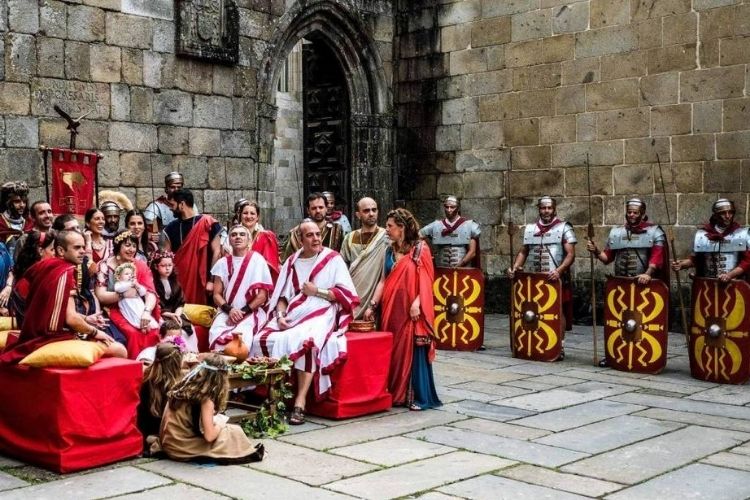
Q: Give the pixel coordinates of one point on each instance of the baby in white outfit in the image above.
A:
(131, 307)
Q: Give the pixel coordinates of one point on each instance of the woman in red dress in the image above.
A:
(125, 248)
(96, 245)
(405, 294)
(261, 240)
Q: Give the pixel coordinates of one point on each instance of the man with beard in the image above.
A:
(312, 305)
(549, 247)
(330, 232)
(455, 239)
(159, 209)
(334, 215)
(195, 241)
(721, 248)
(364, 252)
(14, 219)
(51, 314)
(42, 219)
(111, 211)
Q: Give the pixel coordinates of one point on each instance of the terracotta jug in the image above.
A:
(237, 348)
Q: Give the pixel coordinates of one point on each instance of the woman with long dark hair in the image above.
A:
(36, 246)
(135, 222)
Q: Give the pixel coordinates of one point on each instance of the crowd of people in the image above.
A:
(126, 285)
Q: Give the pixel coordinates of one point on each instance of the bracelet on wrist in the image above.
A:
(246, 309)
(225, 307)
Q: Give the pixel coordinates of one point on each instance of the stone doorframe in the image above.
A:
(371, 123)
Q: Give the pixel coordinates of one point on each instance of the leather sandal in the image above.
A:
(297, 416)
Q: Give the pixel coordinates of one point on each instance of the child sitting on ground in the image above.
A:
(131, 307)
(158, 380)
(169, 331)
(192, 428)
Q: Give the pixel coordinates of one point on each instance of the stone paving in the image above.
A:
(508, 429)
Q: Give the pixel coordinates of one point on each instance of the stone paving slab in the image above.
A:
(102, 484)
(614, 377)
(575, 416)
(500, 429)
(693, 481)
(496, 391)
(181, 491)
(732, 424)
(419, 476)
(237, 481)
(450, 394)
(725, 394)
(556, 380)
(322, 422)
(464, 373)
(9, 462)
(560, 481)
(536, 368)
(566, 396)
(377, 428)
(530, 384)
(687, 405)
(731, 460)
(637, 462)
(436, 495)
(392, 451)
(306, 465)
(485, 410)
(514, 449)
(609, 434)
(501, 488)
(8, 482)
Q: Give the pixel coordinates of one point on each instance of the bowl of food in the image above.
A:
(360, 325)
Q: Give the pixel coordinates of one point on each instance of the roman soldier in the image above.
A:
(549, 250)
(637, 297)
(455, 238)
(333, 215)
(719, 340)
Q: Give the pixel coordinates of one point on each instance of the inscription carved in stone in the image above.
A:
(75, 98)
(208, 30)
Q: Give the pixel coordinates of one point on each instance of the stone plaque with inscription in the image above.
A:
(208, 30)
(75, 98)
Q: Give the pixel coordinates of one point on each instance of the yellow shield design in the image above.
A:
(459, 308)
(536, 317)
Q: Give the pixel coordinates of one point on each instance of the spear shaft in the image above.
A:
(591, 267)
(511, 230)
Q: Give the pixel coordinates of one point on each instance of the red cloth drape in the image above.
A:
(410, 277)
(191, 261)
(51, 282)
(267, 245)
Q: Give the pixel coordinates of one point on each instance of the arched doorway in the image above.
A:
(345, 119)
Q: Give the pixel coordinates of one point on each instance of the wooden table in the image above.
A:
(269, 377)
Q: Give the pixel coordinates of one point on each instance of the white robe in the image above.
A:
(315, 341)
(240, 288)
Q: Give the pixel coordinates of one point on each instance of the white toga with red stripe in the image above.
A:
(315, 341)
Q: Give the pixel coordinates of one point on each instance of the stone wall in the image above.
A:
(149, 109)
(541, 84)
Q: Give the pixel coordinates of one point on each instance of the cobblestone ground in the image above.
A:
(508, 429)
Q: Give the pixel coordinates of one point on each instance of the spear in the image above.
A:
(511, 230)
(670, 236)
(591, 267)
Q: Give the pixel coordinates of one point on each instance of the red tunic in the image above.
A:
(266, 244)
(191, 261)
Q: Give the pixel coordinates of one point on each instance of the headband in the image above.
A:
(173, 176)
(123, 236)
(722, 204)
(200, 366)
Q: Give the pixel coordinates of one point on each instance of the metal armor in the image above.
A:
(547, 252)
(450, 249)
(714, 258)
(632, 251)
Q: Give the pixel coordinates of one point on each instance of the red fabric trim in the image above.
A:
(238, 281)
(267, 245)
(545, 228)
(449, 228)
(714, 235)
(191, 261)
(137, 339)
(745, 261)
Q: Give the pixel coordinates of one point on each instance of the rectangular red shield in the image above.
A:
(73, 181)
(459, 308)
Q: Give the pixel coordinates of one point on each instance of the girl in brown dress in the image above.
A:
(191, 427)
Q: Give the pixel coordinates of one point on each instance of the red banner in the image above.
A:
(73, 181)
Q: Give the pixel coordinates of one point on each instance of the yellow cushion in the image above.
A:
(7, 323)
(199, 315)
(4, 337)
(65, 354)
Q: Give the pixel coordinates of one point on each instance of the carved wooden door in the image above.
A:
(326, 123)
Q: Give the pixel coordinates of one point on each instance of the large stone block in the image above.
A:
(132, 66)
(733, 145)
(659, 89)
(21, 132)
(599, 153)
(459, 13)
(133, 137)
(531, 157)
(239, 144)
(737, 114)
(617, 66)
(671, 120)
(158, 69)
(647, 150)
(712, 83)
(193, 76)
(586, 127)
(14, 98)
(120, 96)
(569, 18)
(468, 61)
(722, 176)
(244, 111)
(455, 37)
(712, 4)
(616, 94)
(688, 177)
(108, 168)
(612, 40)
(451, 184)
(75, 97)
(205, 142)
(581, 71)
(680, 29)
(707, 116)
(482, 160)
(734, 51)
(173, 140)
(173, 107)
(532, 24)
(537, 77)
(646, 9)
(212, 111)
(541, 51)
(23, 165)
(577, 181)
(20, 57)
(448, 138)
(86, 24)
(484, 135)
(135, 169)
(164, 36)
(570, 100)
(195, 170)
(694, 209)
(142, 104)
(451, 87)
(609, 13)
(240, 173)
(128, 31)
(484, 210)
(495, 57)
(538, 182)
(523, 132)
(159, 9)
(498, 107)
(77, 60)
(536, 102)
(223, 81)
(23, 16)
(105, 63)
(53, 18)
(491, 82)
(620, 124)
(490, 31)
(456, 111)
(672, 58)
(51, 57)
(693, 147)
(557, 129)
(633, 179)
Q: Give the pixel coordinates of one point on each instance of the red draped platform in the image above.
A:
(359, 386)
(70, 419)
